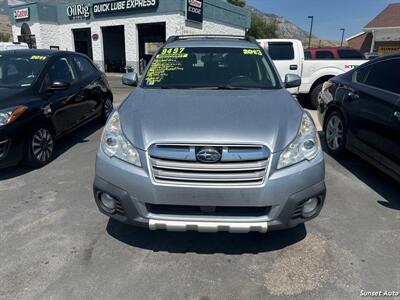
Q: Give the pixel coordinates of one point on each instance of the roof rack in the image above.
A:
(175, 38)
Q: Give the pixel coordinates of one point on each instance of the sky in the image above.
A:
(329, 15)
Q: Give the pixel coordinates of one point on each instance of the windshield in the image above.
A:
(211, 68)
(20, 70)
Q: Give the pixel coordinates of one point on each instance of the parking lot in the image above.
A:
(56, 245)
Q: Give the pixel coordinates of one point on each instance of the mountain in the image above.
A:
(288, 30)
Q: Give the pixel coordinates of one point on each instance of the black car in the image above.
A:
(45, 94)
(360, 111)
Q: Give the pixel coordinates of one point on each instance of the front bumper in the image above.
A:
(284, 192)
(12, 141)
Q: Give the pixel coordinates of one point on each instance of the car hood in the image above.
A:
(236, 117)
(11, 97)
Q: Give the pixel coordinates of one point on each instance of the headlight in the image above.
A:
(306, 146)
(11, 114)
(114, 143)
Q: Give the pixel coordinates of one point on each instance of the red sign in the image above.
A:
(95, 37)
(20, 14)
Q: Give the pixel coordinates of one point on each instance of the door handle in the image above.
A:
(293, 67)
(397, 114)
(353, 95)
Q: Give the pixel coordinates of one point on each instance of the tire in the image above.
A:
(40, 146)
(107, 109)
(314, 96)
(335, 134)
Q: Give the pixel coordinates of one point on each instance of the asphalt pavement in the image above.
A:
(54, 244)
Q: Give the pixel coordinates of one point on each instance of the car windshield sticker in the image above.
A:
(252, 52)
(39, 57)
(169, 60)
(173, 52)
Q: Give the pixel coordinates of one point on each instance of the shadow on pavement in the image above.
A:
(63, 145)
(381, 183)
(205, 243)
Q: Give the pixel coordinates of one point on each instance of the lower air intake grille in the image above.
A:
(218, 211)
(3, 148)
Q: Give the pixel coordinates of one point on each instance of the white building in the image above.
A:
(120, 33)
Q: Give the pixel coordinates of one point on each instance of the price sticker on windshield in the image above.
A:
(39, 57)
(252, 52)
(173, 53)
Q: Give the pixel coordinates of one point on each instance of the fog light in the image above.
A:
(108, 203)
(310, 207)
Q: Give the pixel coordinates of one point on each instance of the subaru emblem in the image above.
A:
(208, 156)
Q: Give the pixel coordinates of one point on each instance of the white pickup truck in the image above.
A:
(288, 56)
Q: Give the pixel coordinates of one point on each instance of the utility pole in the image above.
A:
(343, 30)
(311, 29)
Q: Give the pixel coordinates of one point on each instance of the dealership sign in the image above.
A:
(389, 49)
(194, 10)
(78, 11)
(83, 11)
(122, 6)
(21, 14)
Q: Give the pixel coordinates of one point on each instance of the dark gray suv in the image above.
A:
(210, 140)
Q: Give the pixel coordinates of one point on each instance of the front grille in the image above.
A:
(3, 148)
(216, 211)
(238, 166)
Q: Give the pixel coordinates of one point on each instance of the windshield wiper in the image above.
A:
(230, 87)
(219, 87)
(211, 87)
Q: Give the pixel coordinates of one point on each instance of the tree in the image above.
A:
(261, 29)
(241, 3)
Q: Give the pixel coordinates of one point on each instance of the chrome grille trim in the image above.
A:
(175, 165)
(184, 171)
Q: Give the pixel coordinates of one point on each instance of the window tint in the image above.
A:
(20, 70)
(307, 55)
(61, 70)
(350, 54)
(384, 75)
(281, 51)
(84, 66)
(325, 55)
(362, 74)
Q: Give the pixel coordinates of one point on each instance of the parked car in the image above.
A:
(332, 53)
(210, 140)
(12, 46)
(288, 57)
(360, 111)
(44, 95)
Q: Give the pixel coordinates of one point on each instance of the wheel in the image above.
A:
(108, 108)
(335, 133)
(40, 147)
(314, 96)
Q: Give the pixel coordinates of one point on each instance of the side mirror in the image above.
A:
(130, 79)
(292, 81)
(58, 86)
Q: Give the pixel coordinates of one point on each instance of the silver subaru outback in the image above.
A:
(210, 140)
